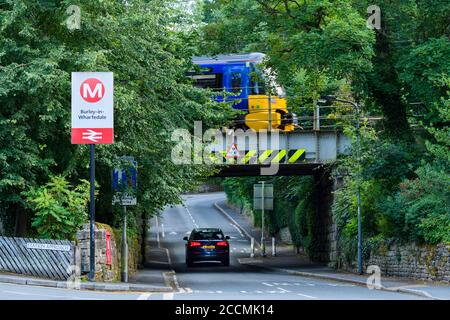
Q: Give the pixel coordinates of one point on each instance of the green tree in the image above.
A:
(59, 209)
(137, 41)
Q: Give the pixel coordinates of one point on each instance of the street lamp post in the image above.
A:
(330, 99)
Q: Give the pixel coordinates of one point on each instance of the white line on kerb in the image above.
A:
(144, 296)
(168, 296)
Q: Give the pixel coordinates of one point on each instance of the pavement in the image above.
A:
(287, 276)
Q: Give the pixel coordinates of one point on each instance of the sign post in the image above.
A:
(263, 200)
(124, 189)
(92, 123)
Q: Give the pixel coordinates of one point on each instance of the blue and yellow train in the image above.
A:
(241, 77)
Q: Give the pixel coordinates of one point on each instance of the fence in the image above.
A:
(53, 259)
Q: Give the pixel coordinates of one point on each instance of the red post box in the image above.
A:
(108, 248)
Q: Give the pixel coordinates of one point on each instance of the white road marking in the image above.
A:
(168, 296)
(267, 284)
(144, 296)
(168, 256)
(283, 290)
(306, 296)
(162, 230)
(192, 218)
(239, 230)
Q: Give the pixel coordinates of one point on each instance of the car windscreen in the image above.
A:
(207, 235)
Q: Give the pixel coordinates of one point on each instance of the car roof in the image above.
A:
(207, 230)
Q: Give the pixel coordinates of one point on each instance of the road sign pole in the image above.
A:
(92, 214)
(252, 247)
(124, 274)
(274, 250)
(263, 245)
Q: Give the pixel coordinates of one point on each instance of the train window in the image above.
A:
(257, 82)
(258, 88)
(236, 82)
(213, 81)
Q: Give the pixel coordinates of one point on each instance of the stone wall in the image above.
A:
(421, 262)
(103, 271)
(424, 262)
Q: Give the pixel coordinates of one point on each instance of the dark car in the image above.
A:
(207, 244)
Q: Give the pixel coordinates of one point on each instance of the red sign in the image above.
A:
(92, 135)
(92, 90)
(233, 151)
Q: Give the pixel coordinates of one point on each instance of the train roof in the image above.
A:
(230, 58)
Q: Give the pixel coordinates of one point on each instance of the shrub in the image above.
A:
(59, 208)
(420, 210)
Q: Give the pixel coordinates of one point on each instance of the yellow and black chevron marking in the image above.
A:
(264, 157)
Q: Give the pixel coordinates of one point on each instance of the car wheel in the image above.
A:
(226, 262)
(189, 262)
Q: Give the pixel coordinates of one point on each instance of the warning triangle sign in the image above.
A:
(233, 151)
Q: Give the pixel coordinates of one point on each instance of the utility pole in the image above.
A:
(358, 184)
(124, 273)
(270, 112)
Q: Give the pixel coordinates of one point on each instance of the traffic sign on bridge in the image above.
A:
(92, 108)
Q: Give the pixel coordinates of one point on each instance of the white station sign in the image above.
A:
(92, 108)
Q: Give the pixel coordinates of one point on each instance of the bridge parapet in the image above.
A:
(312, 146)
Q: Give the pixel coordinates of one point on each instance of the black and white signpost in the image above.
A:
(124, 185)
(92, 123)
(263, 200)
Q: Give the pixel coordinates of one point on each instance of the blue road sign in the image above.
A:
(123, 180)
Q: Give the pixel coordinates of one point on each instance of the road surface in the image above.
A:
(241, 282)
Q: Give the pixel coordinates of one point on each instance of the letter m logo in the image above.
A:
(92, 90)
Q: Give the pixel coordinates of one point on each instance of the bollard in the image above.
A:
(274, 252)
(252, 247)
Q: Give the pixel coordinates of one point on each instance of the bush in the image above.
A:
(420, 211)
(59, 209)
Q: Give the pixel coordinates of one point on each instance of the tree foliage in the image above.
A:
(400, 72)
(137, 41)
